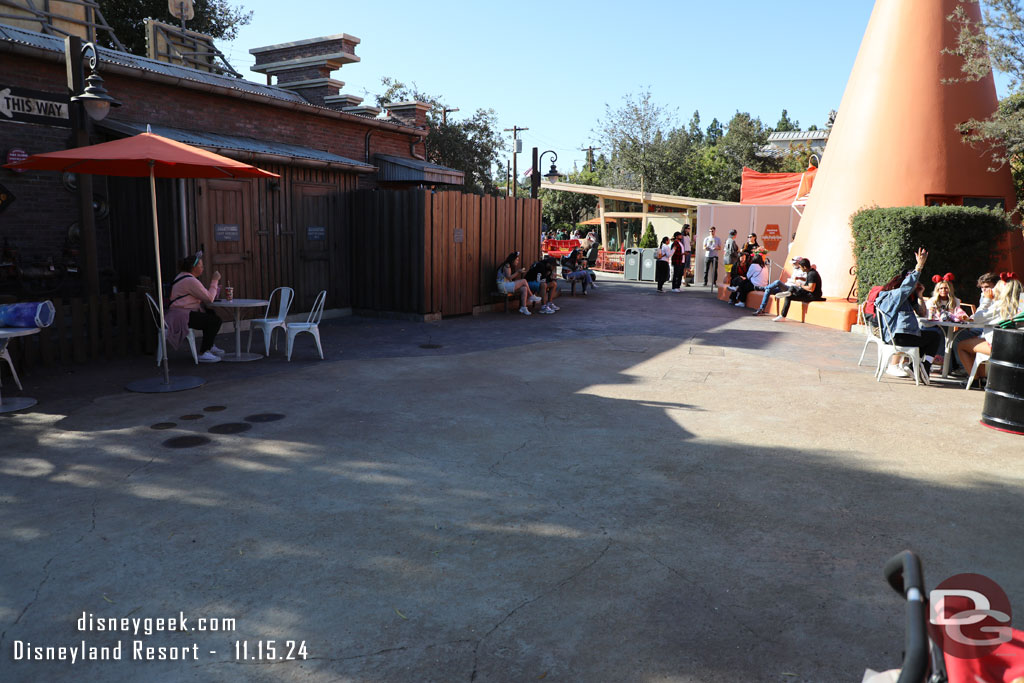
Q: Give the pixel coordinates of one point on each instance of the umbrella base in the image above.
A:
(9, 405)
(156, 385)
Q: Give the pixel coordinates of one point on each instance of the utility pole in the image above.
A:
(508, 178)
(444, 115)
(590, 156)
(515, 136)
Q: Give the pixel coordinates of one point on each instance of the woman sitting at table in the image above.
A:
(943, 304)
(899, 305)
(185, 309)
(1006, 304)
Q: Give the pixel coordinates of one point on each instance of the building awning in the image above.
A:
(244, 148)
(399, 170)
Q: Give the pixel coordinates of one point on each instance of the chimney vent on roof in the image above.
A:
(305, 66)
(411, 112)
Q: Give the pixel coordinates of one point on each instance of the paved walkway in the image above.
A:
(641, 487)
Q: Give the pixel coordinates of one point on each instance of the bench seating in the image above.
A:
(839, 314)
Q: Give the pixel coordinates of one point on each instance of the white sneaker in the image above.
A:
(208, 357)
(779, 319)
(740, 304)
(731, 288)
(534, 298)
(545, 310)
(216, 350)
(677, 290)
(522, 309)
(554, 307)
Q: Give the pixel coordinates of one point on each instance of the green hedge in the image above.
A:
(960, 240)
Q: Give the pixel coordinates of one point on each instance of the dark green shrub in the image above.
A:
(649, 240)
(960, 240)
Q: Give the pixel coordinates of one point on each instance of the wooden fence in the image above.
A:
(423, 252)
(85, 330)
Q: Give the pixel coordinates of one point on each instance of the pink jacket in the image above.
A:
(187, 295)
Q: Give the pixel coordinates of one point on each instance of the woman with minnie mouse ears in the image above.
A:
(1005, 305)
(943, 304)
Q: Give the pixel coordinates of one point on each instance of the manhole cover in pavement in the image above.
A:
(192, 416)
(190, 441)
(164, 425)
(265, 417)
(430, 346)
(230, 428)
(214, 409)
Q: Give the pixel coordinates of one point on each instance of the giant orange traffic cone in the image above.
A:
(895, 141)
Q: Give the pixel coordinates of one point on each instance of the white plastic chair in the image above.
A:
(887, 351)
(267, 324)
(5, 355)
(311, 325)
(979, 360)
(161, 339)
(871, 335)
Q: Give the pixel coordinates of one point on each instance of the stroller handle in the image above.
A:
(903, 572)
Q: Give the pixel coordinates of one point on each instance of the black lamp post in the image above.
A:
(552, 174)
(90, 101)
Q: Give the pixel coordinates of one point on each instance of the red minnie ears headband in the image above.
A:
(1006, 277)
(948, 277)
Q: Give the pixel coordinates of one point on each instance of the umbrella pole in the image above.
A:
(159, 276)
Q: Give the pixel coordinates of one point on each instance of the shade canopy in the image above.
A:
(597, 221)
(776, 188)
(135, 156)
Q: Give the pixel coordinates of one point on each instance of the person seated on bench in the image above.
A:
(898, 306)
(755, 279)
(510, 281)
(809, 291)
(543, 280)
(797, 279)
(575, 268)
(592, 249)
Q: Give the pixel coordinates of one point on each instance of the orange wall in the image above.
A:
(895, 138)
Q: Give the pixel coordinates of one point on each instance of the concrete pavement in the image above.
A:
(641, 487)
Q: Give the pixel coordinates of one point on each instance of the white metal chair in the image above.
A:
(267, 324)
(161, 339)
(871, 334)
(5, 355)
(311, 325)
(979, 360)
(887, 351)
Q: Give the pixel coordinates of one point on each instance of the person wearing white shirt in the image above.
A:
(662, 264)
(711, 247)
(756, 279)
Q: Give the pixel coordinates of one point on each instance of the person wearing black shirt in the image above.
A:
(809, 291)
(543, 280)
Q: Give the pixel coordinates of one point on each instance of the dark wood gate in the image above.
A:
(316, 223)
(228, 234)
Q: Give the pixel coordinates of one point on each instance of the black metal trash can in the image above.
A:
(1004, 393)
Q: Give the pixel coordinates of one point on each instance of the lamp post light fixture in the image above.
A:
(552, 175)
(90, 101)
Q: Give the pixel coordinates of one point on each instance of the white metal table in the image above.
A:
(236, 306)
(951, 330)
(21, 402)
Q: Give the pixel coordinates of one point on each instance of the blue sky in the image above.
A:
(553, 66)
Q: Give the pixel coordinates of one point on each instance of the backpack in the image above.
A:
(869, 303)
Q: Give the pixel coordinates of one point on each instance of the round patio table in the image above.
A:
(236, 306)
(951, 330)
(20, 402)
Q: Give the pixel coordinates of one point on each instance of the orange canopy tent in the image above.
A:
(597, 221)
(154, 156)
(776, 188)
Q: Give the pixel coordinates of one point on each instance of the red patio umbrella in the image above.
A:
(139, 156)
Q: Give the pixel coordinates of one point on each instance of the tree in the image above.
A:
(786, 124)
(471, 145)
(635, 134)
(649, 240)
(216, 18)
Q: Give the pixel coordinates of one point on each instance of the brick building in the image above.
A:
(258, 233)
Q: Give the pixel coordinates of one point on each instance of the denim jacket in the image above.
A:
(895, 307)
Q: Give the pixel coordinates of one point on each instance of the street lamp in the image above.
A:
(552, 175)
(90, 101)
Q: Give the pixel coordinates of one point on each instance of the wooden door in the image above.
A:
(316, 226)
(227, 234)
